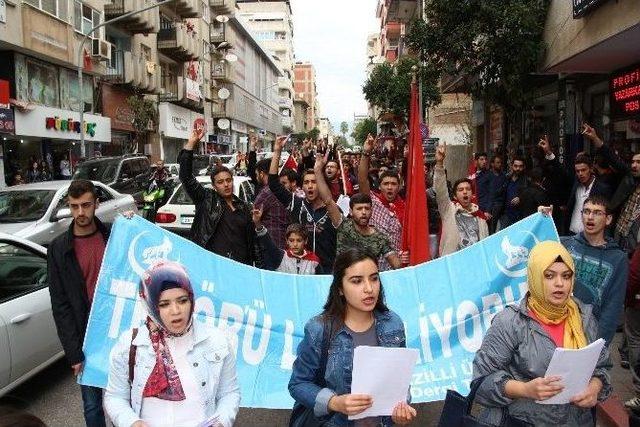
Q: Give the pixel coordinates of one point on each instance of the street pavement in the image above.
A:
(54, 396)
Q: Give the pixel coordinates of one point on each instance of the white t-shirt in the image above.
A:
(65, 168)
(185, 413)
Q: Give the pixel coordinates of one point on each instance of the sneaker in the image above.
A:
(633, 404)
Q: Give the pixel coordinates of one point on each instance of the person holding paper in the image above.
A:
(172, 371)
(355, 314)
(515, 353)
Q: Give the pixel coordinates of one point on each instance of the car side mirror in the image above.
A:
(62, 213)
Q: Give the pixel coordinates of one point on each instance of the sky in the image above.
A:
(332, 35)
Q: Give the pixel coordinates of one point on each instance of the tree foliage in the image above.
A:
(313, 134)
(364, 128)
(144, 115)
(389, 85)
(344, 128)
(494, 44)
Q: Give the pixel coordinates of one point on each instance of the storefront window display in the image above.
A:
(37, 81)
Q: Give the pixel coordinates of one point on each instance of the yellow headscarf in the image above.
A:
(540, 258)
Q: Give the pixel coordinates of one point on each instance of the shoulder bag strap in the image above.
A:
(327, 330)
(132, 354)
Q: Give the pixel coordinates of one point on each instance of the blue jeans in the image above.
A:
(92, 404)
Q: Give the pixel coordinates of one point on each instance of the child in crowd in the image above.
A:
(296, 259)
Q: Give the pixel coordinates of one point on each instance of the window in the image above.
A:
(57, 8)
(103, 195)
(22, 272)
(126, 170)
(85, 18)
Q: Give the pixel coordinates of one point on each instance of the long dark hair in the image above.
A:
(336, 305)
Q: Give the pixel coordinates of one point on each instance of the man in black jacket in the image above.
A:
(74, 261)
(222, 223)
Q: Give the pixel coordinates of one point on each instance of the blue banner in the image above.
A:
(446, 304)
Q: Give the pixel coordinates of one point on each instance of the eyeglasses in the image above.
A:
(596, 213)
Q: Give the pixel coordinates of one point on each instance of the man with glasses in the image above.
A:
(601, 266)
(74, 259)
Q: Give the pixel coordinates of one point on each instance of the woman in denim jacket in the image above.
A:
(183, 372)
(355, 314)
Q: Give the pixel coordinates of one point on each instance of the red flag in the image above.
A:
(290, 163)
(415, 229)
(472, 174)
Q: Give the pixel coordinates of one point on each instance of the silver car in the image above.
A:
(39, 211)
(28, 338)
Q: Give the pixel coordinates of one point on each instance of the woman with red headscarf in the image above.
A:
(172, 371)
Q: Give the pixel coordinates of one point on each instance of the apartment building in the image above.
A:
(326, 129)
(306, 89)
(271, 23)
(244, 75)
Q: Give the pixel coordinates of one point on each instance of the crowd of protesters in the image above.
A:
(312, 214)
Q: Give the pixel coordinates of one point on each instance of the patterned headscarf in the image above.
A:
(164, 382)
(540, 258)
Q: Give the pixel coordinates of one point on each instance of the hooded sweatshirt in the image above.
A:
(601, 280)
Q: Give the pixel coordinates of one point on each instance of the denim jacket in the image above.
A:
(214, 367)
(390, 332)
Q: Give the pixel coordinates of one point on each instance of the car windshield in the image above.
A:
(103, 171)
(24, 206)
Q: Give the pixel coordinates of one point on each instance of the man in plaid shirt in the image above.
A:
(275, 216)
(387, 206)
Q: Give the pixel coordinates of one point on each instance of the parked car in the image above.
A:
(177, 215)
(39, 212)
(229, 161)
(28, 338)
(128, 174)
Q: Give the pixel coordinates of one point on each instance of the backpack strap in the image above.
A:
(132, 355)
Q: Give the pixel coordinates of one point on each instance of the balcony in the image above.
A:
(223, 7)
(144, 22)
(403, 11)
(178, 41)
(217, 33)
(222, 71)
(287, 122)
(181, 91)
(186, 8)
(128, 69)
(284, 102)
(392, 30)
(218, 110)
(391, 53)
(285, 83)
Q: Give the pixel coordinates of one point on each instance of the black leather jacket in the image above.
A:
(209, 208)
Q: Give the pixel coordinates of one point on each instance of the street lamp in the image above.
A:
(81, 51)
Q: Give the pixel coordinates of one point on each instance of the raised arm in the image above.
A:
(194, 189)
(363, 167)
(325, 193)
(440, 181)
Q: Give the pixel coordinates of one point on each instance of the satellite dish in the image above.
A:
(224, 93)
(230, 57)
(222, 18)
(224, 124)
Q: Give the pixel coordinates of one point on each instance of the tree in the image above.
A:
(493, 44)
(313, 134)
(364, 128)
(344, 128)
(144, 115)
(389, 86)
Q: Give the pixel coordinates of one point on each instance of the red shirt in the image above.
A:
(89, 253)
(556, 332)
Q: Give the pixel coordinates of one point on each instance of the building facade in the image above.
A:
(306, 89)
(271, 23)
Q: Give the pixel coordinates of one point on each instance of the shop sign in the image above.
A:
(624, 90)
(582, 7)
(175, 121)
(114, 105)
(55, 123)
(239, 126)
(193, 90)
(7, 122)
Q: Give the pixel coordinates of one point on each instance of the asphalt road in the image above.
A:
(54, 396)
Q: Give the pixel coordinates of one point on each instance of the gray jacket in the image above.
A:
(517, 347)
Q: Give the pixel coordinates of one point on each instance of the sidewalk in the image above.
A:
(612, 414)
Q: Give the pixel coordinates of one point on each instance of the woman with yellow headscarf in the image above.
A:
(515, 353)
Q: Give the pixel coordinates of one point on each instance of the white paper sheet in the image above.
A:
(575, 367)
(209, 422)
(384, 373)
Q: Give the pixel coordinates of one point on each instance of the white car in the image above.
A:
(28, 337)
(229, 161)
(177, 215)
(39, 211)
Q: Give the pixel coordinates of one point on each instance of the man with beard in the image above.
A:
(483, 183)
(275, 216)
(355, 232)
(515, 183)
(309, 210)
(463, 223)
(387, 207)
(498, 181)
(73, 263)
(335, 179)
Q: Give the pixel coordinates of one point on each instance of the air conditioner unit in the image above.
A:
(101, 49)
